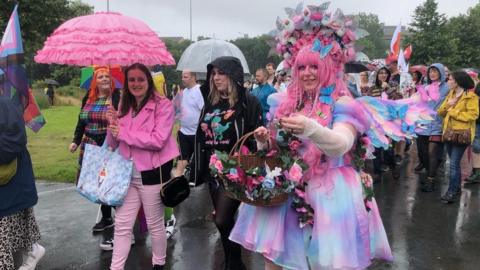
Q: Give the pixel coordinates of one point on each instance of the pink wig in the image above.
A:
(330, 71)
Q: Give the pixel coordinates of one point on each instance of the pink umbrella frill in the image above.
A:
(104, 38)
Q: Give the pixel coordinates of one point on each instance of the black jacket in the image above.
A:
(248, 116)
(80, 128)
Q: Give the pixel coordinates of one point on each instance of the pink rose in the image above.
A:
(300, 193)
(213, 159)
(365, 140)
(258, 180)
(368, 204)
(295, 173)
(301, 210)
(241, 175)
(294, 145)
(244, 150)
(219, 165)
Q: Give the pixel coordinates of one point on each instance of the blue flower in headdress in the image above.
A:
(323, 50)
(325, 94)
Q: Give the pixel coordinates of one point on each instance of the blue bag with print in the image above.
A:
(105, 175)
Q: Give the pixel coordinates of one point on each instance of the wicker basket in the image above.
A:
(247, 162)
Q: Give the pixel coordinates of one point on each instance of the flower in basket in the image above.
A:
(295, 173)
(269, 180)
(233, 175)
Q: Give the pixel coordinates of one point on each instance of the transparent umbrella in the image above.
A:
(199, 54)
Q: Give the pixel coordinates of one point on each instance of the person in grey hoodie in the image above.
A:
(429, 141)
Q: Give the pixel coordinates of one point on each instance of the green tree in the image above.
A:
(428, 35)
(257, 51)
(38, 19)
(176, 48)
(372, 45)
(464, 38)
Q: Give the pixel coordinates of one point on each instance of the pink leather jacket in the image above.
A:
(147, 138)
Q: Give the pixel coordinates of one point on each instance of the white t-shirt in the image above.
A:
(190, 109)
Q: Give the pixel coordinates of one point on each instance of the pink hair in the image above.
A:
(330, 71)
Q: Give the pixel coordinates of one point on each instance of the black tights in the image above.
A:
(106, 211)
(422, 150)
(225, 210)
(435, 157)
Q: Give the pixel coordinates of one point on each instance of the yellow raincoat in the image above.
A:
(461, 116)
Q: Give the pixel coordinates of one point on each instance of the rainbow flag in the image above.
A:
(13, 77)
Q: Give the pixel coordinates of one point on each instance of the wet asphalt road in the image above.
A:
(423, 232)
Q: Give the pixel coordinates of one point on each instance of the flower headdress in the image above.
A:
(305, 25)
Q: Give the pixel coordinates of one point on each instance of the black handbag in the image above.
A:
(175, 191)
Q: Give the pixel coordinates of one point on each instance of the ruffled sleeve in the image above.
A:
(378, 118)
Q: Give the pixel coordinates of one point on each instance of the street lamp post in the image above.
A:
(191, 38)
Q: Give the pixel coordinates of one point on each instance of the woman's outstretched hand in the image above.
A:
(293, 124)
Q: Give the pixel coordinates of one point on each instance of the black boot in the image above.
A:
(157, 267)
(428, 185)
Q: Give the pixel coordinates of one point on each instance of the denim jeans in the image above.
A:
(455, 153)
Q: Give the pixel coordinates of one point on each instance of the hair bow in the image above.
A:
(325, 94)
(323, 50)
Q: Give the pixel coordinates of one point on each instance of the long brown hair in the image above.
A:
(128, 100)
(214, 95)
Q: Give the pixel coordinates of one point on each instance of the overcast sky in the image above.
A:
(229, 19)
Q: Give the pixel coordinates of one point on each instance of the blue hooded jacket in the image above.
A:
(435, 127)
(20, 192)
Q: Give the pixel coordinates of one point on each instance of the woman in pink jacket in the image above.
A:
(143, 133)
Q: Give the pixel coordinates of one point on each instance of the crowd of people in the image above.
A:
(139, 121)
(314, 101)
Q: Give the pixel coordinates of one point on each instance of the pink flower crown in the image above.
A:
(305, 25)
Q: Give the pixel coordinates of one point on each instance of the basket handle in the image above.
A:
(239, 144)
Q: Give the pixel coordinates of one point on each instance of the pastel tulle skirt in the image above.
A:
(345, 235)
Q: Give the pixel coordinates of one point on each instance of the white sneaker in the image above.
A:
(170, 226)
(107, 245)
(31, 259)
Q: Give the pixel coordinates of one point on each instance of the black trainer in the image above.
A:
(104, 223)
(451, 197)
(428, 185)
(157, 267)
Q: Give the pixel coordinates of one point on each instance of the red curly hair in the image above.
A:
(93, 92)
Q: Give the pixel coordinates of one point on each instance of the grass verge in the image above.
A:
(48, 148)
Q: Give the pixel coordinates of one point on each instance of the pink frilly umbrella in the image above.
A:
(104, 38)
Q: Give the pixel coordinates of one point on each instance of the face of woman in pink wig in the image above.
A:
(308, 77)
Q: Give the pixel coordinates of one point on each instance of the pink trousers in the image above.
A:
(137, 195)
